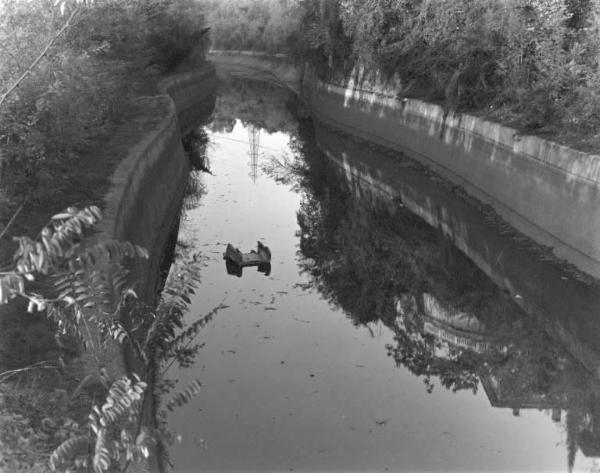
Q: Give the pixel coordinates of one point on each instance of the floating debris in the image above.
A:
(235, 260)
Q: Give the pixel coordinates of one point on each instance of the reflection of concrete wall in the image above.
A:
(566, 307)
(455, 327)
(548, 191)
(500, 396)
(450, 316)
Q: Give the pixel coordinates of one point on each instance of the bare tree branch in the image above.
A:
(40, 57)
(10, 222)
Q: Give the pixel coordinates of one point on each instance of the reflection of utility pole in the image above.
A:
(254, 140)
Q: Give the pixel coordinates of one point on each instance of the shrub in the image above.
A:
(68, 102)
(535, 59)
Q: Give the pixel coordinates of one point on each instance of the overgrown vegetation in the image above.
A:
(262, 25)
(67, 71)
(530, 63)
(74, 65)
(533, 61)
(91, 300)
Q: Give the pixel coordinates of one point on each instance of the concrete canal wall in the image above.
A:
(147, 187)
(271, 68)
(548, 191)
(189, 91)
(146, 190)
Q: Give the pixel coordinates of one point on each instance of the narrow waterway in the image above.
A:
(372, 344)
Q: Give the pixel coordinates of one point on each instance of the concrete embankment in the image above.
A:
(548, 191)
(270, 68)
(146, 190)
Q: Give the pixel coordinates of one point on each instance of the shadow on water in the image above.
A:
(495, 318)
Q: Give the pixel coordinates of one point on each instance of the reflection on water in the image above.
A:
(438, 369)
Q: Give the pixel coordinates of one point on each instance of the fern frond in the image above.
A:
(193, 330)
(70, 449)
(185, 396)
(58, 238)
(113, 329)
(121, 400)
(102, 456)
(162, 331)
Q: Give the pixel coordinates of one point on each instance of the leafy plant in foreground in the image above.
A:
(114, 437)
(79, 274)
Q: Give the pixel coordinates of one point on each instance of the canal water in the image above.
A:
(372, 344)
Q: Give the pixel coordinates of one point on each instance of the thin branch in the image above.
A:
(41, 364)
(207, 317)
(40, 57)
(12, 219)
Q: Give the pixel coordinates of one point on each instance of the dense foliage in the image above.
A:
(534, 62)
(536, 58)
(89, 296)
(66, 71)
(531, 63)
(264, 25)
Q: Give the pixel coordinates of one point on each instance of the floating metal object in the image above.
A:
(235, 260)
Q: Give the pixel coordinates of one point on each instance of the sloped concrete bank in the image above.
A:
(142, 205)
(548, 191)
(267, 67)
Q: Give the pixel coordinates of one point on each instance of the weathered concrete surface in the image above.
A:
(143, 201)
(190, 91)
(270, 68)
(547, 191)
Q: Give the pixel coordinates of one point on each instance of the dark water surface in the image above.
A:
(373, 344)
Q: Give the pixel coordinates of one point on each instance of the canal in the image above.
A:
(372, 344)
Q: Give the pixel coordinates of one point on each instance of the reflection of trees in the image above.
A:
(253, 102)
(376, 261)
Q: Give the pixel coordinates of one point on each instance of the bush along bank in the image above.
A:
(531, 64)
(57, 113)
(64, 93)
